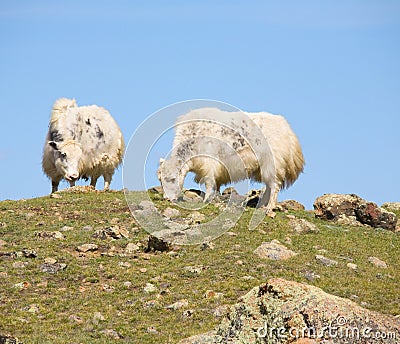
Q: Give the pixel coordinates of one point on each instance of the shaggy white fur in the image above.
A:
(222, 147)
(81, 142)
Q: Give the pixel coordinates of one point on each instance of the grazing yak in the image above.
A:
(222, 147)
(81, 142)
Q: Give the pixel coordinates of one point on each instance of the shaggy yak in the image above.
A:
(222, 147)
(81, 142)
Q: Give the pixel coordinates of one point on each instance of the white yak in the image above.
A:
(81, 142)
(222, 147)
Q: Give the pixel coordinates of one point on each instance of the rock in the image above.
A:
(221, 311)
(302, 226)
(150, 288)
(87, 248)
(20, 265)
(28, 253)
(391, 206)
(377, 262)
(111, 333)
(49, 260)
(326, 261)
(66, 228)
(152, 330)
(197, 269)
(330, 206)
(347, 209)
(207, 245)
(352, 266)
(187, 313)
(107, 288)
(33, 308)
(53, 235)
(290, 205)
(193, 195)
(52, 268)
(282, 311)
(374, 216)
(3, 225)
(195, 217)
(22, 285)
(229, 191)
(76, 319)
(178, 305)
(171, 213)
(77, 189)
(132, 248)
(3, 243)
(87, 228)
(55, 195)
(274, 250)
(211, 294)
(252, 198)
(97, 317)
(157, 244)
(125, 265)
(114, 232)
(5, 339)
(206, 338)
(310, 275)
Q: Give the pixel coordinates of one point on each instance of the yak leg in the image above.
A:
(71, 183)
(269, 197)
(54, 185)
(93, 181)
(210, 188)
(107, 181)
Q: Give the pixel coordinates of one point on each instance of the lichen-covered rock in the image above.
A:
(370, 214)
(391, 206)
(282, 311)
(289, 204)
(302, 226)
(350, 209)
(331, 206)
(274, 250)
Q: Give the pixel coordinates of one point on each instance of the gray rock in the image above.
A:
(87, 248)
(377, 262)
(52, 268)
(302, 226)
(171, 213)
(114, 232)
(274, 250)
(52, 235)
(325, 261)
(178, 305)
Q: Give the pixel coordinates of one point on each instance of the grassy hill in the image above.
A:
(54, 290)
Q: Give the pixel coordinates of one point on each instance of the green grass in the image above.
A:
(66, 302)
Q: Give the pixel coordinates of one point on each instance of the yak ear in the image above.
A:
(53, 144)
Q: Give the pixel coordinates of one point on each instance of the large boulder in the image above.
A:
(352, 209)
(282, 311)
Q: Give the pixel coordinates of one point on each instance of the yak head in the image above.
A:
(169, 177)
(67, 159)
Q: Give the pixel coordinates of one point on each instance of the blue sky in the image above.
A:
(332, 68)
